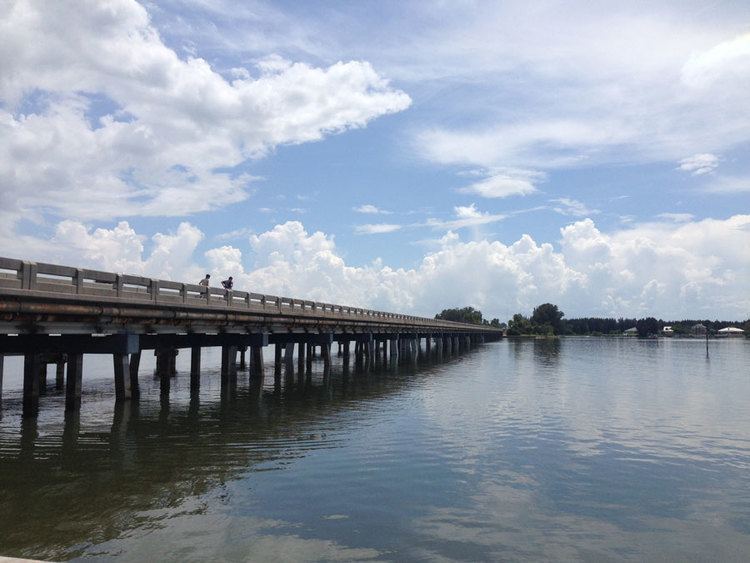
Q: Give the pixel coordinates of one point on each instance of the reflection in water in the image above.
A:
(556, 449)
(547, 351)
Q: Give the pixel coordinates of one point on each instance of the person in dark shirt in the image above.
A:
(228, 283)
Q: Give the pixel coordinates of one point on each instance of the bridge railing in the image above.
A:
(54, 280)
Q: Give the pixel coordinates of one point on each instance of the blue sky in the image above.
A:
(401, 155)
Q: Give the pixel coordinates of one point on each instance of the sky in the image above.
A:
(403, 156)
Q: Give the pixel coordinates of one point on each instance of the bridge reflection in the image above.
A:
(71, 482)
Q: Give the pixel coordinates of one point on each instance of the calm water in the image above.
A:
(593, 449)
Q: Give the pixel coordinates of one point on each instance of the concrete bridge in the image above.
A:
(55, 314)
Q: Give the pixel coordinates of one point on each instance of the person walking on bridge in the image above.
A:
(228, 284)
(204, 281)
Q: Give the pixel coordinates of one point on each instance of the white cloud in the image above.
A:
(503, 184)
(466, 216)
(729, 185)
(572, 207)
(687, 270)
(676, 217)
(700, 164)
(729, 59)
(580, 85)
(368, 208)
(99, 118)
(376, 228)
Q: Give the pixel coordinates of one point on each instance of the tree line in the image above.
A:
(548, 320)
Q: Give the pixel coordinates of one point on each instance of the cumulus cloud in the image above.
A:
(700, 164)
(691, 269)
(99, 118)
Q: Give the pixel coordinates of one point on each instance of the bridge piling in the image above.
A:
(122, 376)
(325, 351)
(60, 373)
(243, 364)
(31, 375)
(195, 367)
(277, 362)
(301, 358)
(346, 354)
(135, 364)
(2, 362)
(289, 359)
(74, 382)
(309, 358)
(256, 364)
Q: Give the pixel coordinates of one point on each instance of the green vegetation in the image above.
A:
(468, 315)
(547, 320)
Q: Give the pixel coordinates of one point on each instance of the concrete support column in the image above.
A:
(74, 382)
(2, 361)
(301, 357)
(60, 373)
(31, 375)
(289, 359)
(256, 365)
(43, 376)
(394, 351)
(439, 348)
(325, 350)
(456, 348)
(370, 354)
(277, 362)
(135, 364)
(243, 362)
(122, 376)
(195, 367)
(428, 345)
(346, 354)
(309, 359)
(415, 350)
(228, 365)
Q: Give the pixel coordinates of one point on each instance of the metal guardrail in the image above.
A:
(52, 279)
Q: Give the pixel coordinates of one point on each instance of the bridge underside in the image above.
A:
(360, 351)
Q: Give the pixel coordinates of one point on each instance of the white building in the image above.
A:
(731, 331)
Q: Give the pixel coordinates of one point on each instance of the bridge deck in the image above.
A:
(48, 298)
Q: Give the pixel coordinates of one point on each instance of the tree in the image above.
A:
(548, 314)
(519, 325)
(647, 326)
(464, 315)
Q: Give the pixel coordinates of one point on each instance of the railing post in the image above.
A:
(118, 285)
(28, 275)
(78, 280)
(154, 290)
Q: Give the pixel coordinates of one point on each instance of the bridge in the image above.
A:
(54, 314)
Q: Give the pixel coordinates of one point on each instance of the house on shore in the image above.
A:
(667, 331)
(698, 330)
(632, 331)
